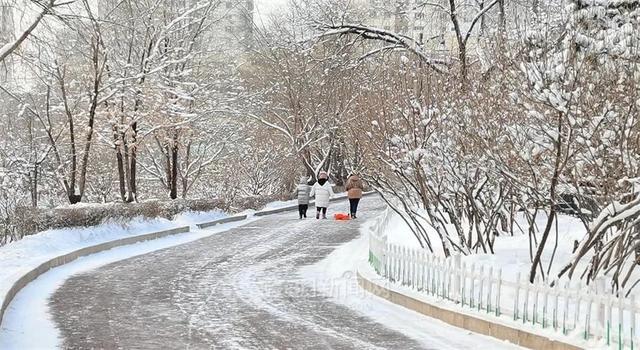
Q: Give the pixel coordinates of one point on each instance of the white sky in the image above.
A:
(266, 7)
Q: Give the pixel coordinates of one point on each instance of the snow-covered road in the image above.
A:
(252, 287)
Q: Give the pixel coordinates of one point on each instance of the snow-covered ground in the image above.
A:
(280, 204)
(20, 257)
(29, 309)
(336, 277)
(512, 257)
(511, 252)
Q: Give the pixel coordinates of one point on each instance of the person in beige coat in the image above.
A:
(354, 189)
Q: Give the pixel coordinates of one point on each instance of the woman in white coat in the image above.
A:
(322, 191)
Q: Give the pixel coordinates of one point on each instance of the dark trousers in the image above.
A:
(302, 209)
(323, 210)
(353, 202)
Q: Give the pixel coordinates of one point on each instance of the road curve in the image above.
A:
(235, 290)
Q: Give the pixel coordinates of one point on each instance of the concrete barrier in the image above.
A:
(66, 258)
(458, 319)
(222, 221)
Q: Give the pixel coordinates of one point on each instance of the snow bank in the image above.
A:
(336, 277)
(512, 257)
(20, 257)
(29, 311)
(280, 204)
(511, 252)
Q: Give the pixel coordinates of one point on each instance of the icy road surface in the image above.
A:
(242, 289)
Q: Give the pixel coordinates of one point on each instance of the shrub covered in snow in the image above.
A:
(29, 220)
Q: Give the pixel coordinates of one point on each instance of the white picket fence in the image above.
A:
(573, 309)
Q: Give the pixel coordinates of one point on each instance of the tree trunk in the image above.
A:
(552, 212)
(483, 24)
(185, 175)
(133, 161)
(97, 77)
(173, 191)
(463, 62)
(462, 45)
(121, 174)
(502, 19)
(71, 189)
(119, 142)
(34, 187)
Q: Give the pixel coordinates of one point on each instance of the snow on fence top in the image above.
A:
(569, 309)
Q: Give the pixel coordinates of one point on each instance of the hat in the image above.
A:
(323, 175)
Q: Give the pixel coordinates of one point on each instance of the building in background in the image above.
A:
(410, 17)
(7, 34)
(235, 24)
(229, 26)
(429, 21)
(230, 30)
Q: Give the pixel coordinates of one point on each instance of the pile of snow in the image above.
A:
(191, 218)
(511, 252)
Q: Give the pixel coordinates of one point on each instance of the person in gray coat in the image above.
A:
(302, 192)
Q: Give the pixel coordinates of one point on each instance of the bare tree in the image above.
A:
(46, 8)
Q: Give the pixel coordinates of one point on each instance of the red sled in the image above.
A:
(341, 216)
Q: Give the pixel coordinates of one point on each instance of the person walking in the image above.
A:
(302, 193)
(354, 192)
(323, 192)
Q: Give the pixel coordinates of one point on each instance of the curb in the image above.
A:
(276, 211)
(222, 221)
(474, 324)
(66, 258)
